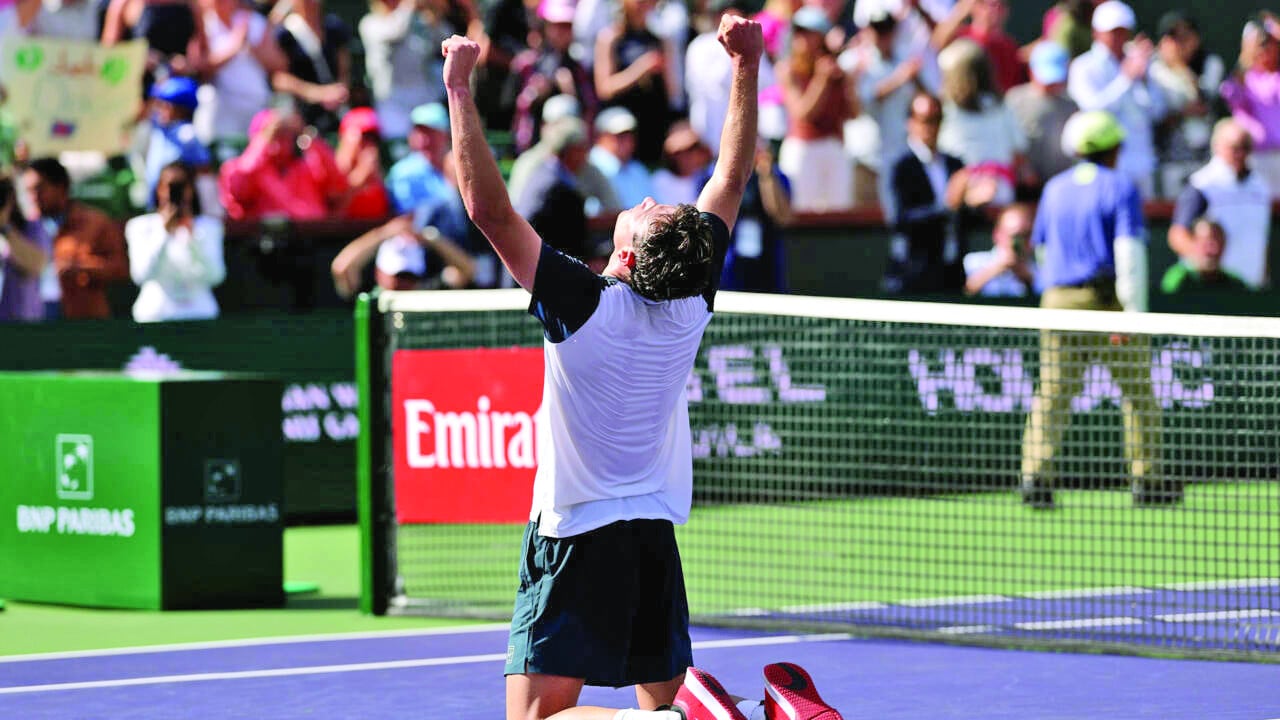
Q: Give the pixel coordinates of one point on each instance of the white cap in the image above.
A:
(1113, 14)
(615, 121)
(401, 254)
(558, 106)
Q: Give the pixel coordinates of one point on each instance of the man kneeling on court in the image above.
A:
(601, 598)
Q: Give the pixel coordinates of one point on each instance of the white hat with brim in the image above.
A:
(1112, 15)
(401, 254)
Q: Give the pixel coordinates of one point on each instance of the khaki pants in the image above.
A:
(1064, 357)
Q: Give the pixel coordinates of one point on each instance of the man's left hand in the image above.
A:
(741, 37)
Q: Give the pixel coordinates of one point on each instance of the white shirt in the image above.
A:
(175, 272)
(613, 465)
(708, 77)
(402, 57)
(241, 84)
(890, 112)
(1095, 82)
(1006, 284)
(988, 135)
(1243, 208)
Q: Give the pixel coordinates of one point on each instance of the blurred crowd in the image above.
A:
(927, 109)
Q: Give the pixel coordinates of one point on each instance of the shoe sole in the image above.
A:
(712, 695)
(792, 692)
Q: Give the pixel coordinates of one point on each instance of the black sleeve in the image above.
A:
(565, 294)
(720, 242)
(1191, 205)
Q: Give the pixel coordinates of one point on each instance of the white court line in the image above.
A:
(251, 642)
(967, 629)
(956, 600)
(1223, 584)
(1084, 593)
(364, 667)
(1219, 615)
(1078, 623)
(835, 607)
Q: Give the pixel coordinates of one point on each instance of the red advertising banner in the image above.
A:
(464, 434)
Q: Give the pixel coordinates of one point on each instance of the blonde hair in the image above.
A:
(966, 74)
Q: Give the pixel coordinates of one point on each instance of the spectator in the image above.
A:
(65, 20)
(358, 158)
(976, 126)
(318, 70)
(917, 20)
(631, 71)
(614, 156)
(1041, 109)
(1200, 271)
(1189, 78)
(24, 255)
(551, 200)
(930, 193)
(283, 172)
(756, 260)
(669, 20)
(243, 55)
(1254, 97)
(174, 43)
(886, 83)
(592, 183)
(508, 25)
(986, 21)
(1113, 76)
(1007, 269)
(88, 249)
(707, 75)
(1229, 191)
(547, 70)
(173, 137)
(402, 59)
(685, 161)
(775, 23)
(1089, 230)
(1068, 24)
(418, 177)
(175, 253)
(819, 99)
(409, 253)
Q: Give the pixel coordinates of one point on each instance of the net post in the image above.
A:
(372, 482)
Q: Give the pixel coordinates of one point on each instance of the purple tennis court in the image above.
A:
(457, 673)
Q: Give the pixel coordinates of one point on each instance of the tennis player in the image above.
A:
(601, 597)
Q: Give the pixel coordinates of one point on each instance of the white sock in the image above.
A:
(633, 714)
(753, 709)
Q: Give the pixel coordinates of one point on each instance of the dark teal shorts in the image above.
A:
(607, 606)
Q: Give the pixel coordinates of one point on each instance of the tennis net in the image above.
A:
(979, 474)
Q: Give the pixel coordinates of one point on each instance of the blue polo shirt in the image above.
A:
(414, 180)
(1082, 212)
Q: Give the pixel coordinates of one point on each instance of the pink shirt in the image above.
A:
(252, 187)
(1255, 104)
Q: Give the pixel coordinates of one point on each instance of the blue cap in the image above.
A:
(180, 91)
(1049, 63)
(811, 18)
(432, 115)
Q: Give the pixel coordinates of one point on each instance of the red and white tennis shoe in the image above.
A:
(790, 695)
(701, 697)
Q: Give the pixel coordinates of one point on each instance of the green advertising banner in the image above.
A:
(79, 505)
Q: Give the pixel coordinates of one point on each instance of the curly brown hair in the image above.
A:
(674, 256)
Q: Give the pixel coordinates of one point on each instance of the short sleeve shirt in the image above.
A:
(614, 440)
(1082, 212)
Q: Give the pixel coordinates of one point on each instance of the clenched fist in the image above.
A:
(460, 58)
(741, 37)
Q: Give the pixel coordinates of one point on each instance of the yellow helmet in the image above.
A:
(1091, 132)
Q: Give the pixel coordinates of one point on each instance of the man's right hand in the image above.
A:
(460, 58)
(741, 37)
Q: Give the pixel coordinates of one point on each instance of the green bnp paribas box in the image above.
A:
(141, 491)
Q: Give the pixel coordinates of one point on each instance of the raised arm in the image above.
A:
(722, 195)
(479, 180)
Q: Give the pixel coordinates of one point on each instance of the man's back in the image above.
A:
(1081, 214)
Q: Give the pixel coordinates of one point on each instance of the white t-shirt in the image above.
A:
(241, 84)
(175, 272)
(615, 442)
(989, 135)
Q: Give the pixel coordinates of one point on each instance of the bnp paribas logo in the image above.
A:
(74, 455)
